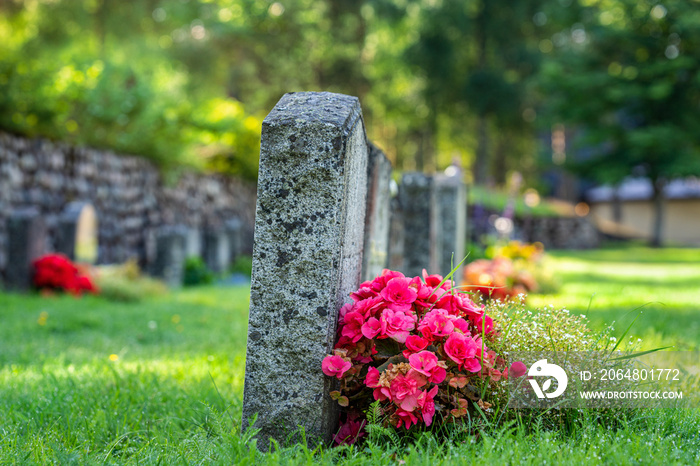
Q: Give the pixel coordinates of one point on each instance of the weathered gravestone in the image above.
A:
(77, 232)
(377, 219)
(216, 250)
(415, 196)
(307, 259)
(169, 259)
(193, 243)
(451, 211)
(396, 235)
(235, 239)
(26, 242)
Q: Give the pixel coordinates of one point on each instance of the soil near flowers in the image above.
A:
(85, 380)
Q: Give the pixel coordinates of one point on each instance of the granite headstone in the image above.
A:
(451, 209)
(77, 232)
(307, 259)
(415, 196)
(170, 255)
(26, 242)
(377, 219)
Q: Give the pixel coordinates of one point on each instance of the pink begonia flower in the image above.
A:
(404, 390)
(414, 343)
(461, 325)
(426, 402)
(335, 366)
(406, 418)
(518, 369)
(343, 311)
(373, 327)
(459, 304)
(462, 349)
(379, 283)
(350, 432)
(398, 293)
(431, 280)
(435, 324)
(427, 364)
(372, 378)
(398, 324)
(483, 323)
(353, 326)
(370, 307)
(365, 292)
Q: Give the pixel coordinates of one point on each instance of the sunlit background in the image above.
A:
(568, 93)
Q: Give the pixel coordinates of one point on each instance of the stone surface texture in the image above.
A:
(415, 197)
(307, 259)
(451, 222)
(132, 198)
(377, 219)
(26, 242)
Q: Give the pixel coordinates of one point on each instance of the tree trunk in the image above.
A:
(658, 221)
(481, 162)
(480, 169)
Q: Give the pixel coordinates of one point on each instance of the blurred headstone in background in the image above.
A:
(77, 232)
(170, 255)
(193, 246)
(451, 211)
(235, 243)
(415, 195)
(377, 217)
(217, 254)
(26, 242)
(396, 235)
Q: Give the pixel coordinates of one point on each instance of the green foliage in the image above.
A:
(628, 80)
(67, 73)
(196, 272)
(243, 265)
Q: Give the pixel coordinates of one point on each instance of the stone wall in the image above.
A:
(130, 195)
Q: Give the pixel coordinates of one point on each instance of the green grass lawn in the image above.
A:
(659, 286)
(88, 381)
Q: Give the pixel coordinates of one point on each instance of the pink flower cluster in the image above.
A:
(404, 341)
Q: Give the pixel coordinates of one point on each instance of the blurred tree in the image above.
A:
(628, 76)
(477, 60)
(104, 74)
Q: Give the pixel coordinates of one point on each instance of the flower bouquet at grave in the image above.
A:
(510, 269)
(498, 278)
(55, 272)
(415, 349)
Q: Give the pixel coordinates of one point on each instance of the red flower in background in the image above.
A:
(57, 272)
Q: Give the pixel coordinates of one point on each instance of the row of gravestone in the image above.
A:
(174, 244)
(78, 240)
(325, 221)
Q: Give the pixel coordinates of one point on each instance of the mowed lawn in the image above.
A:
(88, 381)
(659, 287)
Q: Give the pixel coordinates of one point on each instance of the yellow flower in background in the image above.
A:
(43, 317)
